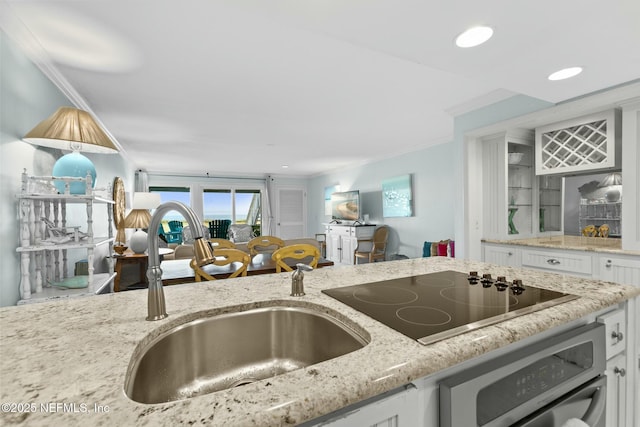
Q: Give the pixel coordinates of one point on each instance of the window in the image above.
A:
(240, 206)
(217, 205)
(176, 194)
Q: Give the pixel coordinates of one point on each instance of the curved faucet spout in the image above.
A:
(156, 306)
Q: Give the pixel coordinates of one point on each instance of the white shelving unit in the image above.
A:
(597, 214)
(43, 255)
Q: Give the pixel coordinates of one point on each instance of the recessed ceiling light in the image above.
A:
(474, 36)
(565, 73)
(285, 166)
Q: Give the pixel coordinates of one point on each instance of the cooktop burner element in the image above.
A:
(435, 306)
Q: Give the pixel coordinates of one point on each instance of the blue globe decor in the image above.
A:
(76, 165)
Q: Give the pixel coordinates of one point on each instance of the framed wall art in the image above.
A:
(397, 197)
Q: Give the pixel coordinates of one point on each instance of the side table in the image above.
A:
(142, 260)
(130, 258)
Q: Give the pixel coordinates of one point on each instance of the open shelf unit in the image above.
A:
(46, 241)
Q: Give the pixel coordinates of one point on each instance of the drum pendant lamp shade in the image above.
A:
(72, 129)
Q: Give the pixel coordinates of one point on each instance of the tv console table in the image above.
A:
(342, 240)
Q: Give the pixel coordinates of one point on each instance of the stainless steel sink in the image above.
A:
(234, 349)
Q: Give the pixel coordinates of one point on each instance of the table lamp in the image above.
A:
(72, 129)
(139, 218)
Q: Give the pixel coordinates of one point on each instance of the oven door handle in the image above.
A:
(596, 409)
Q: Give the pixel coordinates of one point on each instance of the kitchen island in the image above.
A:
(70, 358)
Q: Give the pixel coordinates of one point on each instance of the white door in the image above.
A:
(291, 209)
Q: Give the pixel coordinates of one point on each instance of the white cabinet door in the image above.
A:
(397, 409)
(625, 270)
(333, 247)
(616, 391)
(501, 254)
(348, 246)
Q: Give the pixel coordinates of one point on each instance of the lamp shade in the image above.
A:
(142, 200)
(137, 218)
(71, 129)
(614, 178)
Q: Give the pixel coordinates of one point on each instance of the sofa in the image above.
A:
(185, 250)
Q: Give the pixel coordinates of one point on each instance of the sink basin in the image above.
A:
(234, 349)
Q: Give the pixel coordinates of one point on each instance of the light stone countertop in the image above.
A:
(76, 351)
(576, 243)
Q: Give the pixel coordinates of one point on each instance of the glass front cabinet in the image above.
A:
(517, 203)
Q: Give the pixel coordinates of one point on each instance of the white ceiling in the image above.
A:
(246, 86)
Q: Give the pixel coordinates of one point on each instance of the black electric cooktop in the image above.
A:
(435, 306)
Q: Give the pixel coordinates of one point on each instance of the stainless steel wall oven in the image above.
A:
(544, 384)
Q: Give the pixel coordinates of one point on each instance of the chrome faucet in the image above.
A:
(156, 305)
(297, 284)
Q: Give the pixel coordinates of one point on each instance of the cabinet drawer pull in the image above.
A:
(553, 261)
(509, 253)
(620, 371)
(617, 335)
(608, 264)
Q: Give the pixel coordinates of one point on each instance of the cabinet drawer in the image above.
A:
(558, 261)
(615, 331)
(339, 231)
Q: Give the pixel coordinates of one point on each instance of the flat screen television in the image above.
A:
(345, 205)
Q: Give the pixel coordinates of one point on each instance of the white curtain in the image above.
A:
(268, 227)
(141, 181)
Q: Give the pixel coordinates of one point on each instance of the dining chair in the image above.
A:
(224, 257)
(183, 252)
(263, 244)
(299, 251)
(217, 244)
(378, 245)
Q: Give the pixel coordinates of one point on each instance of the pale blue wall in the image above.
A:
(26, 98)
(433, 196)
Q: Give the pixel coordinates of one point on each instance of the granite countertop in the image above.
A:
(72, 355)
(577, 243)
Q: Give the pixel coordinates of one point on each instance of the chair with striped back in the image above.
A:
(224, 257)
(302, 252)
(219, 228)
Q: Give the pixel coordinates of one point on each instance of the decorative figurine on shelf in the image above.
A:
(590, 231)
(59, 235)
(512, 227)
(603, 231)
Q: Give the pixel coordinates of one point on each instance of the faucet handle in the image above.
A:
(303, 267)
(297, 285)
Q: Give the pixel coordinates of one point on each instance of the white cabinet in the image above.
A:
(589, 143)
(619, 269)
(47, 243)
(508, 186)
(343, 239)
(617, 342)
(398, 408)
(501, 254)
